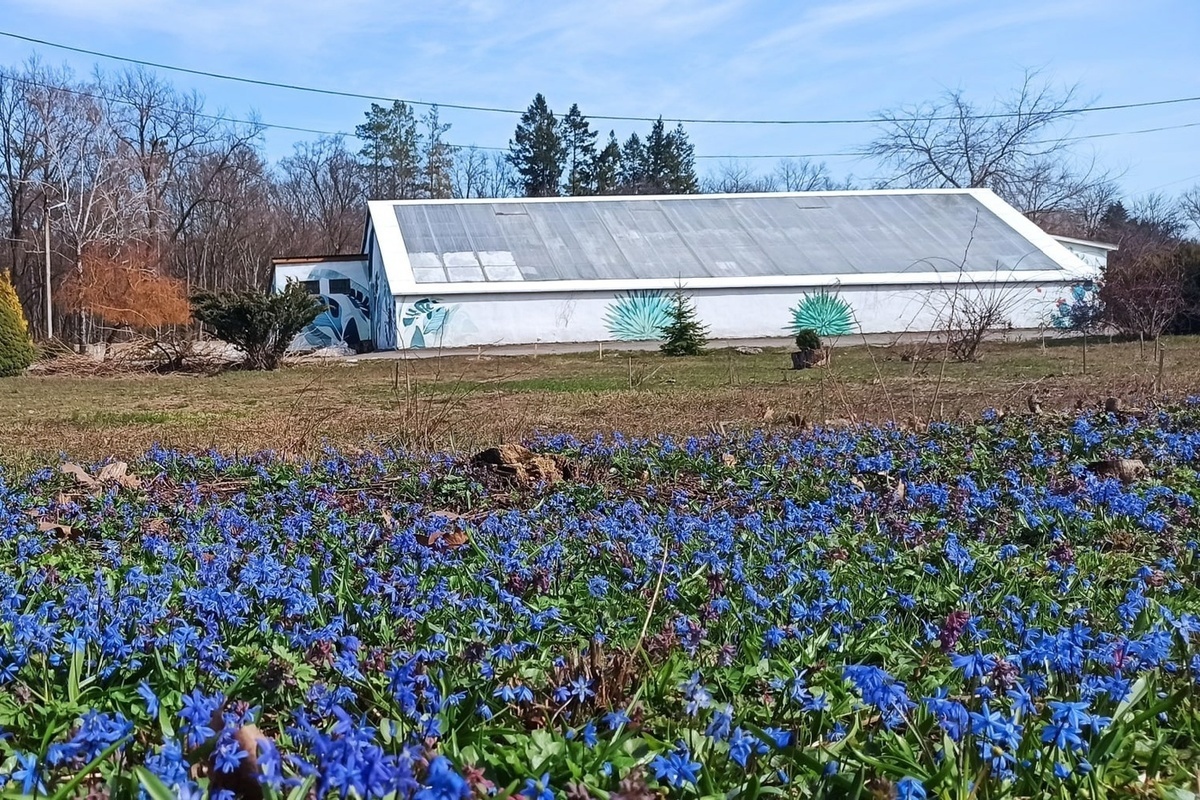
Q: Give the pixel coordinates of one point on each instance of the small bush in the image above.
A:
(260, 324)
(16, 349)
(684, 334)
(808, 339)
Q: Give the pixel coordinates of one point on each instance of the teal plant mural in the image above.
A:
(424, 322)
(638, 316)
(825, 313)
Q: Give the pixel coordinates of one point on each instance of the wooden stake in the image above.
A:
(631, 372)
(1158, 380)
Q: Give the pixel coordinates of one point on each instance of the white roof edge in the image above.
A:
(1087, 242)
(390, 241)
(1072, 265)
(930, 279)
(603, 198)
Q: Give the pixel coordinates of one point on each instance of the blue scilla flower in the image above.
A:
(539, 789)
(676, 768)
(718, 725)
(696, 695)
(910, 789)
(615, 719)
(443, 783)
(28, 773)
(742, 745)
(952, 716)
(146, 693)
(974, 665)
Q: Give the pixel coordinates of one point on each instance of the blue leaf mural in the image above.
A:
(638, 316)
(346, 316)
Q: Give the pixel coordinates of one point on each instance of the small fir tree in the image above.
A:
(16, 349)
(260, 324)
(684, 335)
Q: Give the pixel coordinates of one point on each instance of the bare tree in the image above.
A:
(470, 172)
(792, 175)
(735, 177)
(501, 179)
(1145, 280)
(1190, 204)
(1017, 147)
(323, 185)
(438, 156)
(24, 206)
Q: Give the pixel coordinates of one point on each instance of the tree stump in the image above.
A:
(804, 359)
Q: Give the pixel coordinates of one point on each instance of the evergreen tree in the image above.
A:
(579, 145)
(536, 150)
(392, 152)
(681, 162)
(16, 350)
(608, 167)
(633, 165)
(684, 335)
(658, 157)
(670, 161)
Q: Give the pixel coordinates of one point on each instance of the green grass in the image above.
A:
(466, 401)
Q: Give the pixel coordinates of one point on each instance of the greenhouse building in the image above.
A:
(472, 273)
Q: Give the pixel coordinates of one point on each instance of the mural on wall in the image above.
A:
(383, 312)
(424, 322)
(638, 316)
(1080, 311)
(346, 318)
(825, 313)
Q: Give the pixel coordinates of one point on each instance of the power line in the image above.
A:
(299, 129)
(607, 117)
(1040, 141)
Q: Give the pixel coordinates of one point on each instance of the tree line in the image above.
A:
(147, 195)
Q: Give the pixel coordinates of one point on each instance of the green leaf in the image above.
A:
(302, 791)
(153, 785)
(66, 789)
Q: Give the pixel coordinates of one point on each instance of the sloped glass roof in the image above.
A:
(703, 237)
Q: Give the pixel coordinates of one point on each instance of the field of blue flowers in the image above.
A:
(976, 611)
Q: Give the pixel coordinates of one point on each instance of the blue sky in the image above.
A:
(681, 58)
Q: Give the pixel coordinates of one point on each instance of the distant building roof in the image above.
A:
(749, 239)
(1086, 242)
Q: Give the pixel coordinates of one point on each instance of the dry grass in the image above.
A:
(467, 402)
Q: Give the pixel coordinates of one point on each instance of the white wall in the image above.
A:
(472, 320)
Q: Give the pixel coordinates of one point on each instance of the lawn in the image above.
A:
(975, 610)
(468, 402)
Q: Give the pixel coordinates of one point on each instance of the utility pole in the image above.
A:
(49, 305)
(49, 301)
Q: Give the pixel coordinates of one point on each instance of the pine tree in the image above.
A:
(579, 145)
(670, 161)
(681, 162)
(392, 152)
(608, 167)
(633, 165)
(16, 350)
(684, 335)
(536, 150)
(658, 156)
